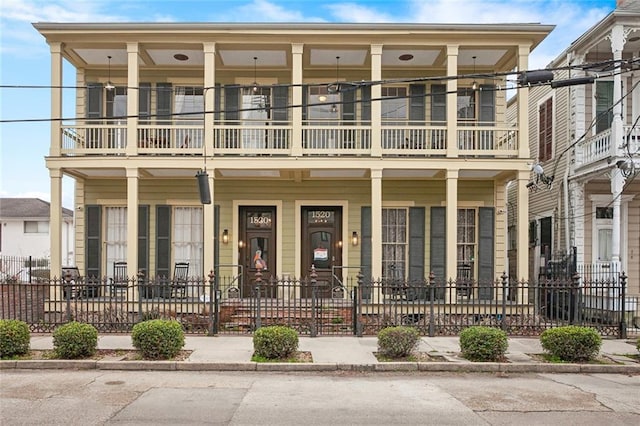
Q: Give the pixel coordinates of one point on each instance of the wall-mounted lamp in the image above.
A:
(354, 238)
(225, 236)
(240, 244)
(340, 244)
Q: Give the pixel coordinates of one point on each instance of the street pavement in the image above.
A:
(331, 353)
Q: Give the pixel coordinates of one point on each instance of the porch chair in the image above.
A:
(179, 282)
(119, 281)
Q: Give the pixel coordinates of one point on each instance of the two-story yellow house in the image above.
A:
(381, 148)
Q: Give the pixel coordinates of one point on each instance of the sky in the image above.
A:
(25, 60)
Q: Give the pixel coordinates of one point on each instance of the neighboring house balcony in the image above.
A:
(599, 147)
(337, 137)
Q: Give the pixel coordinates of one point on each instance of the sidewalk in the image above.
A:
(334, 353)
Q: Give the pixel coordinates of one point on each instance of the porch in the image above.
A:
(599, 147)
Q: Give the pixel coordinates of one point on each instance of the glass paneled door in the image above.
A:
(258, 249)
(322, 248)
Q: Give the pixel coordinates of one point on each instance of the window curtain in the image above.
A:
(187, 238)
(116, 238)
(189, 109)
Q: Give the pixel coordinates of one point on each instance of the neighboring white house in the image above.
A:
(24, 229)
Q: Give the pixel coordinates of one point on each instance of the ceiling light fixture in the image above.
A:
(405, 57)
(180, 57)
(474, 85)
(255, 81)
(109, 85)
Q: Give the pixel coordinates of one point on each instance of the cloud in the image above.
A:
(264, 11)
(351, 12)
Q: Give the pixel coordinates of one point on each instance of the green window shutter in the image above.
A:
(365, 104)
(365, 241)
(144, 102)
(231, 103)
(487, 104)
(93, 244)
(486, 252)
(163, 241)
(438, 243)
(349, 105)
(164, 94)
(280, 102)
(416, 244)
(438, 104)
(143, 240)
(604, 101)
(416, 103)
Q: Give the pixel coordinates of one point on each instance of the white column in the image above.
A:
(452, 101)
(56, 100)
(523, 106)
(577, 215)
(617, 184)
(376, 105)
(296, 113)
(209, 95)
(376, 227)
(452, 224)
(132, 98)
(55, 223)
(132, 229)
(523, 225)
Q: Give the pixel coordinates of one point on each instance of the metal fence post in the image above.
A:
(313, 329)
(357, 303)
(574, 300)
(623, 306)
(504, 277)
(432, 296)
(258, 320)
(213, 305)
(67, 294)
(141, 287)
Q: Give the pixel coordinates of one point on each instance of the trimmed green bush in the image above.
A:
(75, 340)
(158, 338)
(571, 343)
(480, 343)
(396, 342)
(14, 338)
(275, 342)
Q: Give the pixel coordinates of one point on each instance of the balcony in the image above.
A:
(316, 139)
(598, 147)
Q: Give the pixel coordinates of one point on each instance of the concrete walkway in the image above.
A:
(335, 353)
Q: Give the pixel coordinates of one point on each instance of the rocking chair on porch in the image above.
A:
(119, 281)
(179, 282)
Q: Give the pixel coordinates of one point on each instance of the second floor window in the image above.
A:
(545, 130)
(36, 227)
(394, 103)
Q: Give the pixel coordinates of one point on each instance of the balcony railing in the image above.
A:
(247, 138)
(598, 147)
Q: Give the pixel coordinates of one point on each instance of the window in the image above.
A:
(323, 106)
(466, 241)
(394, 243)
(466, 104)
(36, 227)
(189, 109)
(116, 236)
(187, 238)
(394, 103)
(545, 130)
(604, 102)
(116, 100)
(603, 234)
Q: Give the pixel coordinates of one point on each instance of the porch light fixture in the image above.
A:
(354, 238)
(255, 79)
(335, 87)
(225, 236)
(322, 98)
(240, 244)
(474, 85)
(109, 85)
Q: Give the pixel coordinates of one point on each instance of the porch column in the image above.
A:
(132, 229)
(376, 228)
(617, 184)
(56, 101)
(523, 226)
(209, 95)
(376, 104)
(132, 99)
(523, 106)
(296, 112)
(452, 228)
(617, 129)
(452, 101)
(209, 240)
(55, 223)
(577, 216)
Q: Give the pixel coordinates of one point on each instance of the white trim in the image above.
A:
(466, 204)
(346, 240)
(398, 204)
(235, 226)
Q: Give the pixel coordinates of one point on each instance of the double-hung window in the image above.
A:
(394, 243)
(116, 236)
(466, 242)
(187, 238)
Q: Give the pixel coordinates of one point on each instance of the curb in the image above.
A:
(459, 367)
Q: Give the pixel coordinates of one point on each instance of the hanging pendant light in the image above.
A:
(109, 85)
(255, 80)
(474, 85)
(334, 107)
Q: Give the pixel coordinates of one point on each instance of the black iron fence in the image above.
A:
(19, 269)
(215, 305)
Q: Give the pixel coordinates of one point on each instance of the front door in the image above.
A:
(322, 248)
(258, 250)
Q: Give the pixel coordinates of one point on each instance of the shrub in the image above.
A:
(396, 342)
(14, 338)
(480, 343)
(158, 338)
(571, 343)
(75, 340)
(275, 342)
